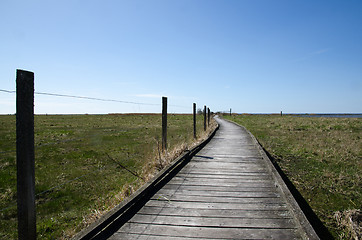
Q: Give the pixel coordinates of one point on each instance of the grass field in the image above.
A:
(78, 172)
(322, 157)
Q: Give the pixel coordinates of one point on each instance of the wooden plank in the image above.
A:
(280, 223)
(228, 173)
(202, 205)
(217, 181)
(244, 143)
(223, 176)
(210, 165)
(222, 170)
(212, 200)
(228, 157)
(226, 150)
(241, 183)
(214, 196)
(217, 188)
(209, 232)
(239, 146)
(136, 236)
(245, 192)
(241, 213)
(231, 160)
(244, 152)
(219, 159)
(222, 145)
(226, 165)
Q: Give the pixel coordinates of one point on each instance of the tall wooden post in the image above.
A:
(230, 111)
(164, 123)
(25, 156)
(204, 118)
(208, 116)
(194, 112)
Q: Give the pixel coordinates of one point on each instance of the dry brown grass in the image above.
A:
(351, 222)
(161, 159)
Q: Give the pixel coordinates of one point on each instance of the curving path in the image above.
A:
(227, 191)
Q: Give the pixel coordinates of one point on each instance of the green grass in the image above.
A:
(321, 156)
(71, 160)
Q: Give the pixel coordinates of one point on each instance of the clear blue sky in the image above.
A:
(252, 56)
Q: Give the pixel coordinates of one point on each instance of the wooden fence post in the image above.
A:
(194, 112)
(164, 123)
(25, 156)
(204, 118)
(230, 111)
(208, 116)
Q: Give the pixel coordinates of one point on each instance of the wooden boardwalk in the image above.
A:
(226, 191)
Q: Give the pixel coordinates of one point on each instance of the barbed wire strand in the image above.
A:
(7, 91)
(79, 97)
(93, 98)
(82, 97)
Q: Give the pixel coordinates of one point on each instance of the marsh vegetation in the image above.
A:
(322, 158)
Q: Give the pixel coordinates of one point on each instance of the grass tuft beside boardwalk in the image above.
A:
(86, 164)
(322, 157)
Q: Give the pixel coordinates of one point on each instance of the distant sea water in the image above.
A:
(331, 115)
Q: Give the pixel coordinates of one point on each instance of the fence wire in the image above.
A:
(56, 186)
(94, 98)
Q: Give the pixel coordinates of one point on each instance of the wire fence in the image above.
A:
(74, 154)
(95, 99)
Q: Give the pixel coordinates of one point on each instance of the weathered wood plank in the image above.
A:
(228, 157)
(223, 174)
(241, 188)
(218, 197)
(171, 211)
(232, 162)
(203, 221)
(207, 212)
(188, 184)
(195, 176)
(244, 193)
(134, 236)
(208, 232)
(220, 169)
(216, 164)
(203, 205)
(218, 181)
(207, 190)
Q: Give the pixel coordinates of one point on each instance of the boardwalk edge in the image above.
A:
(122, 210)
